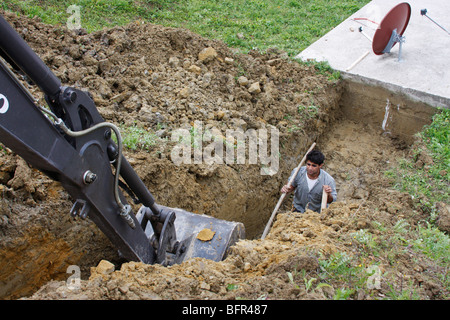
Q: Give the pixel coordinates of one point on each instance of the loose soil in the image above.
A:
(157, 78)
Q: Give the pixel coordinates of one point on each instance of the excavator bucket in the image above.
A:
(198, 235)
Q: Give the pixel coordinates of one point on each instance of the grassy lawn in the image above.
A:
(290, 25)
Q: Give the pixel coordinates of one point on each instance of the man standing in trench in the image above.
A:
(309, 183)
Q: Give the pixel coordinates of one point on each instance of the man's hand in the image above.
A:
(328, 190)
(287, 189)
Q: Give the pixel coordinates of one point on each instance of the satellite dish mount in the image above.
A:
(395, 37)
(390, 30)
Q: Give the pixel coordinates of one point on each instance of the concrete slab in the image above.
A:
(424, 72)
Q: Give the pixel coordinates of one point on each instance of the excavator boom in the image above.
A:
(71, 143)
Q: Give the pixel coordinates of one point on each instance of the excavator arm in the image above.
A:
(71, 143)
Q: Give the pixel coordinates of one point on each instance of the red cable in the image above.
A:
(367, 20)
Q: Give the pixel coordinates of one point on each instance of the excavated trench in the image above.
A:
(361, 130)
(358, 149)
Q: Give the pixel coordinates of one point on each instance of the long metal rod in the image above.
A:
(365, 35)
(424, 13)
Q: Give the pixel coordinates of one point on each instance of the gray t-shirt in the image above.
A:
(311, 199)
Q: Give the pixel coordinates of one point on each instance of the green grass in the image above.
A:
(350, 274)
(433, 243)
(290, 25)
(94, 14)
(344, 273)
(138, 139)
(428, 184)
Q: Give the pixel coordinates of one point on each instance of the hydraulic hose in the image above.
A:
(124, 209)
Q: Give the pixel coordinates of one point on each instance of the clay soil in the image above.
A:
(153, 77)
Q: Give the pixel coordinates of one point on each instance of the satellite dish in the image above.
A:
(391, 29)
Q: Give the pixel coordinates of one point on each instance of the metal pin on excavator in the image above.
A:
(72, 144)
